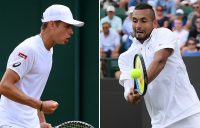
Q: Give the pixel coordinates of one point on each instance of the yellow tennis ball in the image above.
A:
(135, 73)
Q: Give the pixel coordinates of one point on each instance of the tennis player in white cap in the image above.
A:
(28, 69)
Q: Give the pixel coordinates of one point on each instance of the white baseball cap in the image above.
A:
(131, 9)
(110, 8)
(184, 2)
(60, 12)
(179, 12)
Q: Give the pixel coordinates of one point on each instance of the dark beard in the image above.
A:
(142, 39)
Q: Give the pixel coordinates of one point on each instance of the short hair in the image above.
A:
(142, 6)
(106, 22)
(44, 25)
(193, 39)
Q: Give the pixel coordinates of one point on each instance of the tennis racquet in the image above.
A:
(74, 124)
(142, 82)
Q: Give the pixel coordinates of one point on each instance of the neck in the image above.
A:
(179, 29)
(106, 34)
(48, 42)
(110, 17)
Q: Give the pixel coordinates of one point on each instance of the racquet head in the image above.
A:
(74, 124)
(142, 81)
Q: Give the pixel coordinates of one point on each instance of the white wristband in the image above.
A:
(128, 84)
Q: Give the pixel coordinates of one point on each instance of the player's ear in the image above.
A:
(51, 24)
(155, 23)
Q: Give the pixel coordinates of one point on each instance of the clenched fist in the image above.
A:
(49, 106)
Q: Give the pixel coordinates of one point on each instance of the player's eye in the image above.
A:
(144, 20)
(135, 20)
(68, 26)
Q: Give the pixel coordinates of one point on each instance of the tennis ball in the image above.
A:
(135, 73)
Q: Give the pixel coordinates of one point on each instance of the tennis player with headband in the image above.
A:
(170, 99)
(28, 69)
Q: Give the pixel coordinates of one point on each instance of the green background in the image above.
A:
(74, 78)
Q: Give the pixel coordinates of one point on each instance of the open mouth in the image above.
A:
(68, 38)
(139, 31)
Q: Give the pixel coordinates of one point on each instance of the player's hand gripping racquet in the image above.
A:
(142, 81)
(74, 124)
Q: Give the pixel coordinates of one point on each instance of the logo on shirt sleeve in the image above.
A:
(22, 55)
(16, 64)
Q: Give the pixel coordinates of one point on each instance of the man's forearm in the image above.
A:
(158, 63)
(13, 93)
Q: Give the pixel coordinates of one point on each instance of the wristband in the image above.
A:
(41, 106)
(128, 84)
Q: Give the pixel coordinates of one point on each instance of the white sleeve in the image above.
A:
(21, 60)
(125, 63)
(128, 84)
(166, 39)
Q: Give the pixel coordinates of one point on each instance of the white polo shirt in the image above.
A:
(170, 96)
(32, 62)
(109, 42)
(115, 22)
(182, 37)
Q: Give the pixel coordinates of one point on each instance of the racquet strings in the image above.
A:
(74, 124)
(140, 81)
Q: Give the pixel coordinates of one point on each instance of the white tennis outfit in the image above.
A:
(170, 97)
(32, 62)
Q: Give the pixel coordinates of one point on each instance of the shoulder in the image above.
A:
(163, 35)
(28, 46)
(185, 31)
(117, 18)
(125, 20)
(104, 19)
(113, 32)
(162, 31)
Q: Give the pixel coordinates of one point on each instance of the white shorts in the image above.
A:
(189, 122)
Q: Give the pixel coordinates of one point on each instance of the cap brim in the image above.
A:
(179, 14)
(74, 22)
(184, 2)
